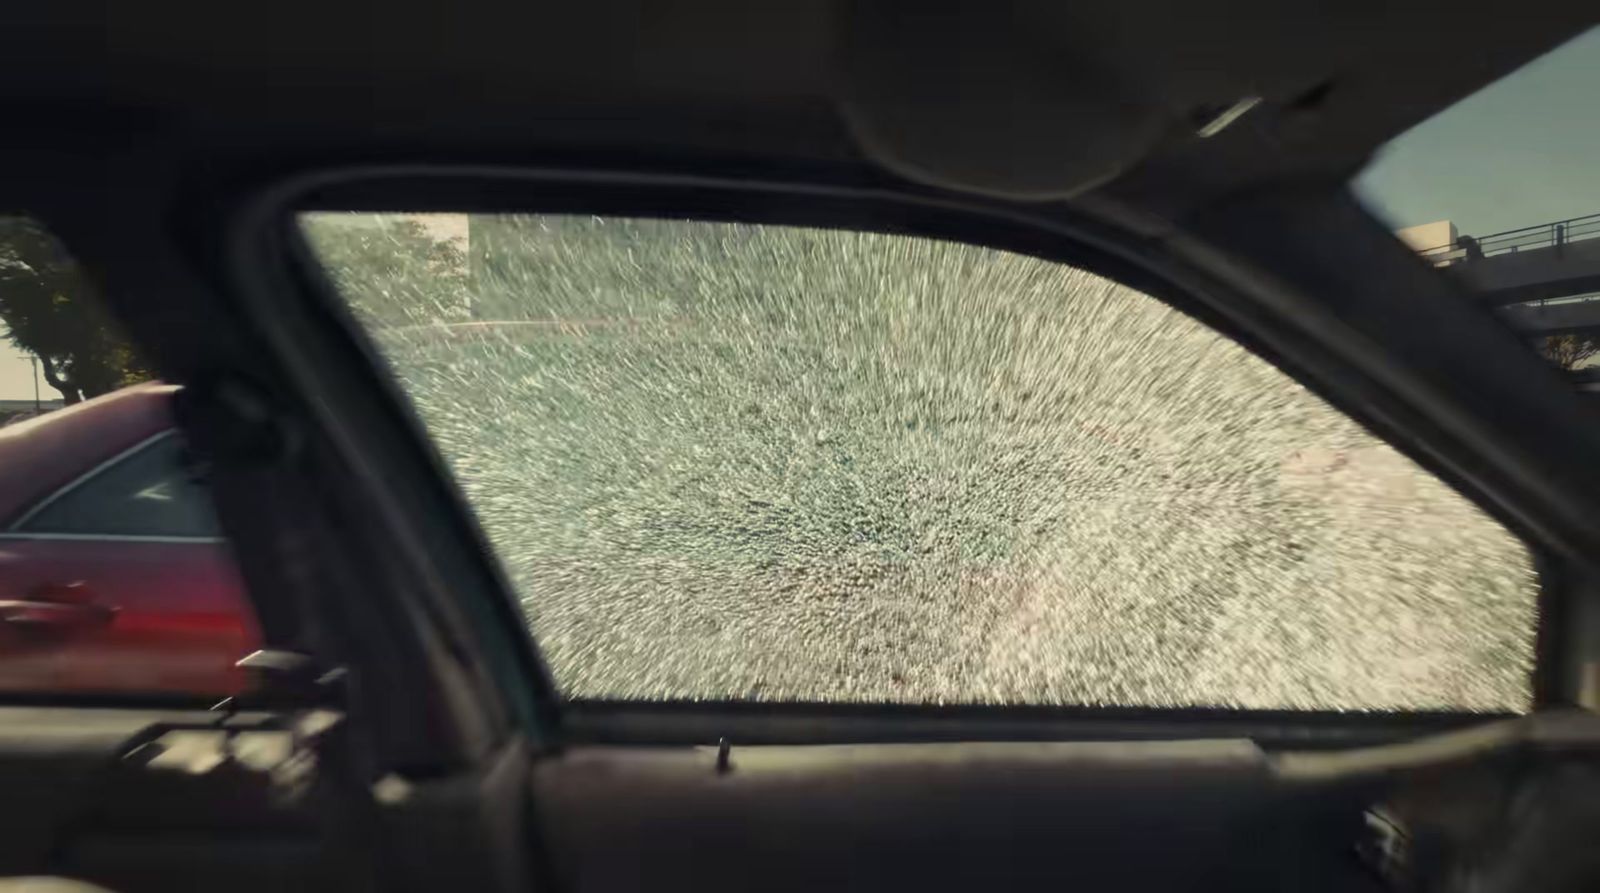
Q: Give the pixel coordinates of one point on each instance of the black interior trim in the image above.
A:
(705, 723)
(394, 476)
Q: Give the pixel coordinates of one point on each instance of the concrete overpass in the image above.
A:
(1545, 278)
(1576, 314)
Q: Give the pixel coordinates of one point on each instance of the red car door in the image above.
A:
(121, 582)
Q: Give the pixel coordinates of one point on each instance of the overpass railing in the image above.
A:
(1544, 235)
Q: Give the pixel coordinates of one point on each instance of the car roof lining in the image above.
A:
(478, 80)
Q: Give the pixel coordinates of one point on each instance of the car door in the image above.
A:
(120, 582)
(825, 549)
(845, 546)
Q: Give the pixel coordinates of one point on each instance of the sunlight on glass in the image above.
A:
(161, 492)
(727, 461)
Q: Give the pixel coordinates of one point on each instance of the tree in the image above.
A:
(393, 269)
(1567, 351)
(53, 312)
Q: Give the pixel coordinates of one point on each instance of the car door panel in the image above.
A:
(160, 800)
(174, 619)
(933, 817)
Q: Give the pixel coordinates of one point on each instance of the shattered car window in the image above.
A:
(740, 462)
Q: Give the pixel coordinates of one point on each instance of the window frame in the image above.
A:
(266, 254)
(18, 529)
(1526, 596)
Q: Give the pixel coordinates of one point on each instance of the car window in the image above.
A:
(1500, 193)
(114, 577)
(739, 462)
(150, 491)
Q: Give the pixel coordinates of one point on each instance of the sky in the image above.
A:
(16, 374)
(1523, 151)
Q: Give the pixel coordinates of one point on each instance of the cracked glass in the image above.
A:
(739, 462)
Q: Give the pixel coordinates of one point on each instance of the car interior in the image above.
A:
(398, 728)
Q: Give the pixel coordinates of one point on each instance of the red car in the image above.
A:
(114, 576)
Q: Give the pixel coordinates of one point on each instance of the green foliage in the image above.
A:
(396, 271)
(1567, 351)
(53, 312)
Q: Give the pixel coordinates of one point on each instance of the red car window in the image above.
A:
(148, 491)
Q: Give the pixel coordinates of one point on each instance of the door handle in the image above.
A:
(26, 614)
